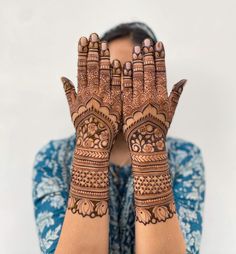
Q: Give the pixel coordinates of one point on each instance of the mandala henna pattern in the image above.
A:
(148, 112)
(95, 112)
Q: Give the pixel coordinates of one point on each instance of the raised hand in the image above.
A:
(95, 111)
(147, 115)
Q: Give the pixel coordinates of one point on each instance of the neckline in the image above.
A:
(118, 166)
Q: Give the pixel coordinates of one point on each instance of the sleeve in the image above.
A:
(50, 194)
(189, 193)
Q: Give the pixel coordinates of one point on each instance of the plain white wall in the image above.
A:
(38, 43)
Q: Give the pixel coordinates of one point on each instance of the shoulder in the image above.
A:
(182, 147)
(51, 166)
(53, 159)
(54, 149)
(184, 154)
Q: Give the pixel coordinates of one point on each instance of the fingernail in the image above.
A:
(83, 41)
(64, 80)
(137, 49)
(147, 42)
(128, 65)
(159, 46)
(180, 85)
(104, 45)
(94, 37)
(116, 63)
(184, 82)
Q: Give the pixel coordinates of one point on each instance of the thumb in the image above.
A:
(175, 95)
(69, 90)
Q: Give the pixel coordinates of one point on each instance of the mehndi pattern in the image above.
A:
(95, 112)
(148, 112)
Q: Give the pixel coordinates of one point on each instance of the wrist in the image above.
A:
(153, 194)
(91, 156)
(89, 188)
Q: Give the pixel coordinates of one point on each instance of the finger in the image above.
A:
(105, 75)
(127, 88)
(137, 59)
(116, 85)
(82, 63)
(175, 95)
(93, 63)
(149, 68)
(69, 90)
(161, 86)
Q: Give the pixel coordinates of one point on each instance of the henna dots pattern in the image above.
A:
(148, 113)
(95, 111)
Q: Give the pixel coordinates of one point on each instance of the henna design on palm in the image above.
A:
(95, 112)
(147, 115)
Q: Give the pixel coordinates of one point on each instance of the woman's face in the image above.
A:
(121, 49)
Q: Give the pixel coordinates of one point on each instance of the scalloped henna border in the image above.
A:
(102, 110)
(148, 110)
(96, 208)
(151, 217)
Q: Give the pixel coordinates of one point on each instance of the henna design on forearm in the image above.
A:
(148, 112)
(95, 112)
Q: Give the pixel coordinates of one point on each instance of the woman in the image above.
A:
(151, 198)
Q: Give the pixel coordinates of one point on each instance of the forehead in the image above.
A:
(121, 49)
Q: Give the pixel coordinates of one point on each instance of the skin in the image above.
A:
(148, 111)
(80, 234)
(121, 49)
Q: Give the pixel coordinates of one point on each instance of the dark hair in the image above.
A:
(137, 31)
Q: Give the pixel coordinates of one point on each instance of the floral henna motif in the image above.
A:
(147, 138)
(147, 116)
(95, 112)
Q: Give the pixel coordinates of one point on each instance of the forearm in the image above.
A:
(86, 223)
(95, 111)
(83, 235)
(157, 226)
(160, 238)
(148, 116)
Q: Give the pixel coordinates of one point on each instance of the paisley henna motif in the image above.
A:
(95, 112)
(147, 116)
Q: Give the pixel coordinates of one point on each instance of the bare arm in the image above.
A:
(148, 112)
(95, 112)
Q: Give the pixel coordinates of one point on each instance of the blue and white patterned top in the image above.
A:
(51, 180)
